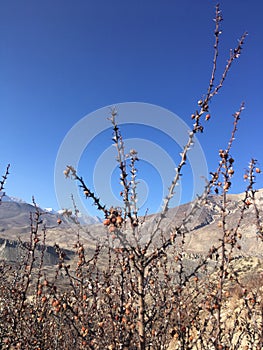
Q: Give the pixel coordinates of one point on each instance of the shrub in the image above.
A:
(138, 290)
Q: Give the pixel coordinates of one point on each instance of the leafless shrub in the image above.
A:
(133, 293)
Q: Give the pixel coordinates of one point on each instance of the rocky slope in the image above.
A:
(204, 228)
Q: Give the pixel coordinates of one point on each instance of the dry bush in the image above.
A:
(137, 293)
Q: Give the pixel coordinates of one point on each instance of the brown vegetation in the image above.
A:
(135, 291)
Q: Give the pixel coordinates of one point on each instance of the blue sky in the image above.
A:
(62, 60)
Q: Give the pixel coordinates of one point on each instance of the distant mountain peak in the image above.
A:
(50, 210)
(6, 198)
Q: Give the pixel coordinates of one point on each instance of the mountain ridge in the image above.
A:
(203, 228)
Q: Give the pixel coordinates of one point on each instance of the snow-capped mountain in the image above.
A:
(6, 198)
(82, 219)
(15, 215)
(51, 211)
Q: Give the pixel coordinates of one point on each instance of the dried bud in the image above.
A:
(119, 220)
(133, 152)
(222, 154)
(66, 172)
(248, 203)
(112, 228)
(113, 219)
(87, 193)
(106, 222)
(227, 185)
(59, 221)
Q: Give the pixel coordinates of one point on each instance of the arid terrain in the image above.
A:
(204, 229)
(84, 278)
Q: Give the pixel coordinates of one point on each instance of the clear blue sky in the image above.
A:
(61, 60)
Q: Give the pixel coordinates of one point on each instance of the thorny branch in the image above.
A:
(2, 182)
(204, 108)
(129, 198)
(70, 171)
(176, 231)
